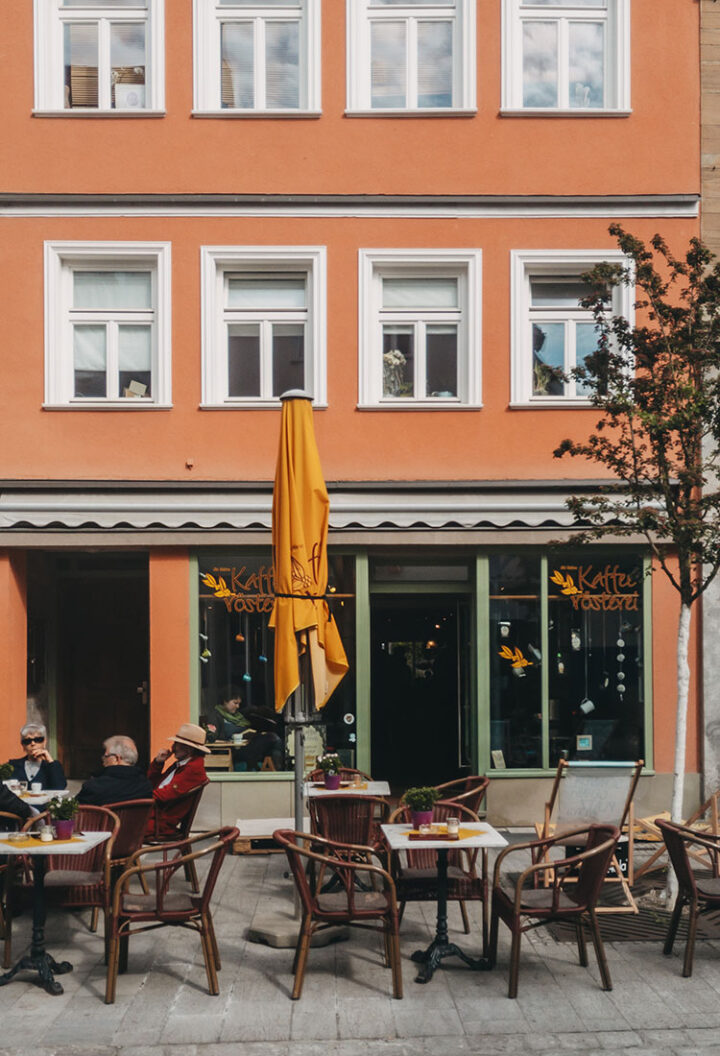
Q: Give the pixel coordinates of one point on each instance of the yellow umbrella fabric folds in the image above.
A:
(300, 615)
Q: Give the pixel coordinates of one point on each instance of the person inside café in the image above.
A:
(261, 742)
(120, 778)
(227, 718)
(37, 765)
(186, 772)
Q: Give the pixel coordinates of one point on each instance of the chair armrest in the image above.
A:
(561, 867)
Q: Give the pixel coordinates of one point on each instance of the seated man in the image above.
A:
(120, 778)
(37, 765)
(187, 772)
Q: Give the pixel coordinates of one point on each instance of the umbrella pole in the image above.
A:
(299, 752)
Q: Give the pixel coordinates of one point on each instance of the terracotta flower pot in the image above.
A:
(64, 828)
(421, 817)
(332, 781)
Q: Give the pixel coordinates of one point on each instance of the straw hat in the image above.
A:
(192, 735)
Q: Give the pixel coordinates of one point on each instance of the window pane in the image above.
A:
(420, 293)
(435, 59)
(412, 3)
(587, 63)
(134, 361)
(81, 65)
(260, 3)
(288, 357)
(441, 354)
(237, 88)
(282, 65)
(557, 292)
(104, 3)
(540, 64)
(388, 64)
(89, 360)
(265, 292)
(515, 660)
(127, 54)
(565, 3)
(595, 672)
(548, 359)
(112, 289)
(585, 345)
(243, 360)
(398, 361)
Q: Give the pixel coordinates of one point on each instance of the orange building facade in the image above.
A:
(388, 204)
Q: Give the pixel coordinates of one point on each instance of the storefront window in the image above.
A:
(592, 699)
(596, 702)
(236, 659)
(515, 662)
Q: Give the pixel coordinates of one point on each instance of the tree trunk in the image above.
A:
(683, 686)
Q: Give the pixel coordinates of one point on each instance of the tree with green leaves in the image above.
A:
(656, 384)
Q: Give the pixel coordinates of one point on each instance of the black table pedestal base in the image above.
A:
(430, 958)
(46, 967)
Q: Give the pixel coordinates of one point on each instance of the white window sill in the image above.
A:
(403, 112)
(108, 405)
(94, 112)
(529, 111)
(419, 405)
(552, 404)
(234, 114)
(253, 405)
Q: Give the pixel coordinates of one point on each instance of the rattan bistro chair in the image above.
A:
(348, 818)
(156, 837)
(346, 774)
(9, 823)
(528, 906)
(699, 893)
(326, 875)
(167, 906)
(470, 791)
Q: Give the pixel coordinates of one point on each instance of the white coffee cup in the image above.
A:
(36, 786)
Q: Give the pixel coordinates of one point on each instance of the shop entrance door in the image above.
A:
(102, 657)
(420, 711)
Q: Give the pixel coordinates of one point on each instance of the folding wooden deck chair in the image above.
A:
(596, 793)
(705, 821)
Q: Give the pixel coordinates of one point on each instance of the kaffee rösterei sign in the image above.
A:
(247, 591)
(592, 588)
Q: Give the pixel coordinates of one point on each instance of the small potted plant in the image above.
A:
(421, 801)
(62, 810)
(6, 771)
(330, 765)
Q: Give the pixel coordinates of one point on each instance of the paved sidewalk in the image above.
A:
(346, 1009)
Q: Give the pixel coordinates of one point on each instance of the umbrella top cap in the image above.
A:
(296, 394)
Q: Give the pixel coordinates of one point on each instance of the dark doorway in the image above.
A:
(420, 725)
(102, 656)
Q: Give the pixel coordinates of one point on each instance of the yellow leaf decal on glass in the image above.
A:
(515, 656)
(566, 583)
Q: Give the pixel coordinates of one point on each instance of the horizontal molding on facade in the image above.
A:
(152, 507)
(373, 205)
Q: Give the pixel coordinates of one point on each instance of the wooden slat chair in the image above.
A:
(595, 793)
(705, 821)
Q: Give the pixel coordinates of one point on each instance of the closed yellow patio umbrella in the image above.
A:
(303, 624)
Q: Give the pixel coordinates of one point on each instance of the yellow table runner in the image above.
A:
(31, 841)
(441, 833)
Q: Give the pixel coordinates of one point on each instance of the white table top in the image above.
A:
(484, 836)
(89, 840)
(372, 788)
(41, 799)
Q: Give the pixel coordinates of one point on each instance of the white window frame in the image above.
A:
(617, 57)
(215, 262)
(50, 17)
(527, 264)
(359, 100)
(61, 259)
(373, 266)
(208, 16)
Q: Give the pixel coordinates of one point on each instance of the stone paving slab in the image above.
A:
(163, 1008)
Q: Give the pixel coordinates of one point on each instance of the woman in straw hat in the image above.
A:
(186, 772)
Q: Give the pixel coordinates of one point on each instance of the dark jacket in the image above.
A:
(115, 784)
(13, 805)
(50, 775)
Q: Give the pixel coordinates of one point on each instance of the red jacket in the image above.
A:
(170, 814)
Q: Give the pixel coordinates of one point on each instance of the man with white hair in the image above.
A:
(37, 765)
(120, 779)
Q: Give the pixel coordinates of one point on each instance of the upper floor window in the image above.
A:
(257, 56)
(98, 55)
(411, 55)
(566, 55)
(264, 324)
(551, 332)
(107, 320)
(419, 328)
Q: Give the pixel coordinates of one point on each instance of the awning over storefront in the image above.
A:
(169, 508)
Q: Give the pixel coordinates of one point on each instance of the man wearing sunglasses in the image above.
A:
(37, 765)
